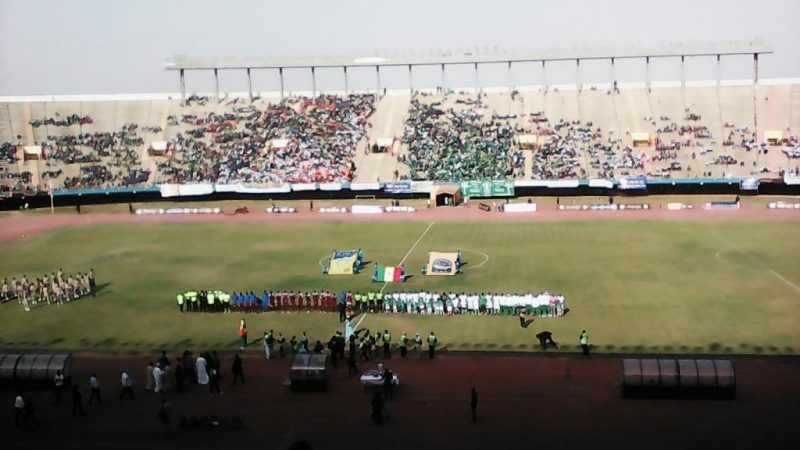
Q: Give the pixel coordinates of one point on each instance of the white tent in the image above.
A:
(32, 152)
(773, 137)
(528, 141)
(158, 148)
(640, 138)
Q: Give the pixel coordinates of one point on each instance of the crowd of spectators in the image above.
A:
(320, 135)
(72, 119)
(460, 144)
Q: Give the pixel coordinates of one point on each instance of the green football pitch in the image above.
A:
(636, 285)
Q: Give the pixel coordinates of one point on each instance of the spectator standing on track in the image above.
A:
(214, 382)
(158, 377)
(403, 345)
(236, 369)
(243, 334)
(92, 282)
(165, 415)
(201, 368)
(377, 408)
(150, 382)
(432, 341)
(387, 343)
(584, 340)
(180, 376)
(19, 411)
(352, 368)
(281, 344)
(77, 401)
(417, 343)
(269, 344)
(94, 387)
(127, 385)
(58, 383)
(473, 404)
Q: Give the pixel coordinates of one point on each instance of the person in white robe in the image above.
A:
(201, 366)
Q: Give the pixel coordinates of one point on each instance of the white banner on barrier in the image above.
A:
(304, 187)
(519, 207)
(601, 184)
(366, 209)
(333, 210)
(365, 186)
(530, 183)
(196, 189)
(563, 183)
(403, 209)
(227, 187)
(424, 187)
(330, 186)
(263, 189)
(791, 179)
(170, 190)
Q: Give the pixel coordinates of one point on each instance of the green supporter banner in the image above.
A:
(487, 188)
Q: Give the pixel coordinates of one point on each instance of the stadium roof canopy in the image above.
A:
(468, 57)
(477, 57)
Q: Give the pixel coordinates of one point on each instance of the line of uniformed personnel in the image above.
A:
(204, 301)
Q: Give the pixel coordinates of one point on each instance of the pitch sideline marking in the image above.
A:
(761, 263)
(411, 250)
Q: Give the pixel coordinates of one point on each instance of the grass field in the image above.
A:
(636, 286)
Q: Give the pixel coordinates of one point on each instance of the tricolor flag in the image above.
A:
(388, 274)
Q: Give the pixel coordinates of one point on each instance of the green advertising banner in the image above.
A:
(487, 188)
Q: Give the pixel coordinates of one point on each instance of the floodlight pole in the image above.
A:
(378, 78)
(544, 76)
(510, 78)
(755, 69)
(578, 74)
(647, 73)
(477, 80)
(216, 84)
(313, 82)
(183, 85)
(718, 71)
(444, 81)
(411, 79)
(280, 74)
(345, 80)
(249, 85)
(683, 71)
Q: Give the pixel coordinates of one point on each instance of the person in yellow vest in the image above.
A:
(584, 340)
(432, 341)
(403, 345)
(210, 299)
(387, 343)
(180, 302)
(371, 299)
(379, 301)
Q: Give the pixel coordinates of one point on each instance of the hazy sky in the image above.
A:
(110, 46)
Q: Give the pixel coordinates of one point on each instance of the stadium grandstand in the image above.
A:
(666, 133)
